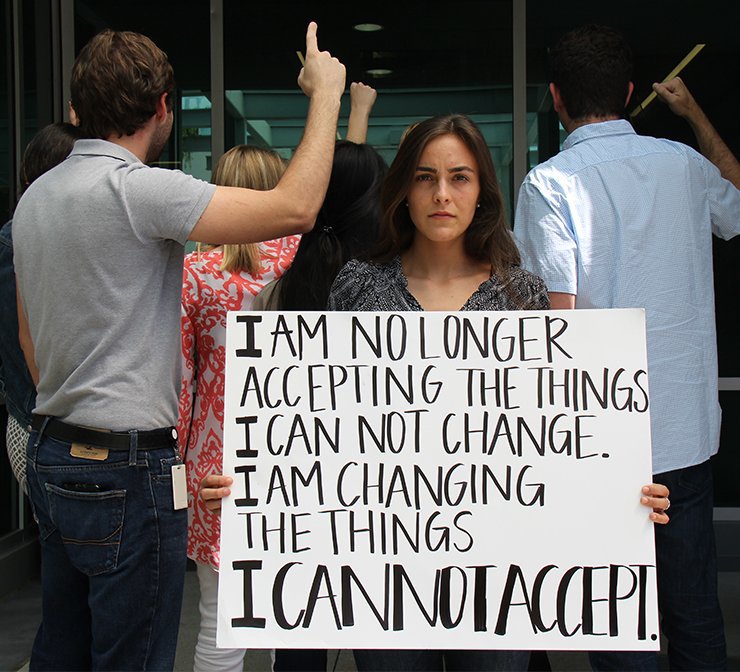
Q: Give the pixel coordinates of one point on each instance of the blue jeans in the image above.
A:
(407, 660)
(691, 618)
(113, 555)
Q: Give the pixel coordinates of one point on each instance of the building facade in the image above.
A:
(236, 65)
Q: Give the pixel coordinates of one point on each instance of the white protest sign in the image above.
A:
(428, 480)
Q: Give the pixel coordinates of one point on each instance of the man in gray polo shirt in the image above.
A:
(99, 244)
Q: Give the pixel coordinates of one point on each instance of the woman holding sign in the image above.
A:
(444, 245)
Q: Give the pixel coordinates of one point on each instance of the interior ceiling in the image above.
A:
(427, 44)
(470, 46)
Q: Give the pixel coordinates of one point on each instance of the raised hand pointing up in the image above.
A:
(322, 74)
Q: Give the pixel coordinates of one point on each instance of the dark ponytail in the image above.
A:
(345, 228)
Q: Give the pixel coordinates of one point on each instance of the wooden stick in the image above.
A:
(673, 73)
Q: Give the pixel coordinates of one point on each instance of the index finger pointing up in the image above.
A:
(311, 41)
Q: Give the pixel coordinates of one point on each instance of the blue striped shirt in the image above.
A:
(625, 221)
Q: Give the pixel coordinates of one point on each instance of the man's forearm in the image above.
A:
(236, 215)
(562, 301)
(677, 96)
(306, 179)
(714, 148)
(307, 176)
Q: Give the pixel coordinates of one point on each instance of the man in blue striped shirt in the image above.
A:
(618, 220)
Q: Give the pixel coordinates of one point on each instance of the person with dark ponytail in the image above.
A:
(346, 228)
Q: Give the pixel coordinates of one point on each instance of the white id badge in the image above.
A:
(179, 487)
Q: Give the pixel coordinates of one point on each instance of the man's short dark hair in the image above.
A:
(117, 80)
(592, 68)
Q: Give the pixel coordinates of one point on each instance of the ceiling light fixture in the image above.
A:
(379, 72)
(368, 27)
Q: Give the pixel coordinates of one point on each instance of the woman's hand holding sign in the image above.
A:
(655, 496)
(213, 488)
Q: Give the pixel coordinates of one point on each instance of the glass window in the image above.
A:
(661, 35)
(6, 137)
(421, 61)
(28, 107)
(22, 69)
(182, 29)
(34, 48)
(726, 283)
(8, 486)
(726, 464)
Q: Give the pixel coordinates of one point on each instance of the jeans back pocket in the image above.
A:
(90, 525)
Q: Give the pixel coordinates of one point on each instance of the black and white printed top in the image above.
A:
(366, 286)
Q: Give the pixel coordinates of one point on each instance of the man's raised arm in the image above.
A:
(682, 103)
(237, 215)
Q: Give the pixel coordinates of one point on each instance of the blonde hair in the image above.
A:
(253, 168)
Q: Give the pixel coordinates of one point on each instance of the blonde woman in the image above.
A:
(223, 278)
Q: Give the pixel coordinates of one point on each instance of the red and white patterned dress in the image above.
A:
(207, 294)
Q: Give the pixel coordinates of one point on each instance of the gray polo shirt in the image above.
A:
(98, 250)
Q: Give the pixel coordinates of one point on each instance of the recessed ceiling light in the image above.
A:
(379, 72)
(368, 27)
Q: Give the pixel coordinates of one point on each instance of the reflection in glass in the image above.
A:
(439, 62)
(182, 30)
